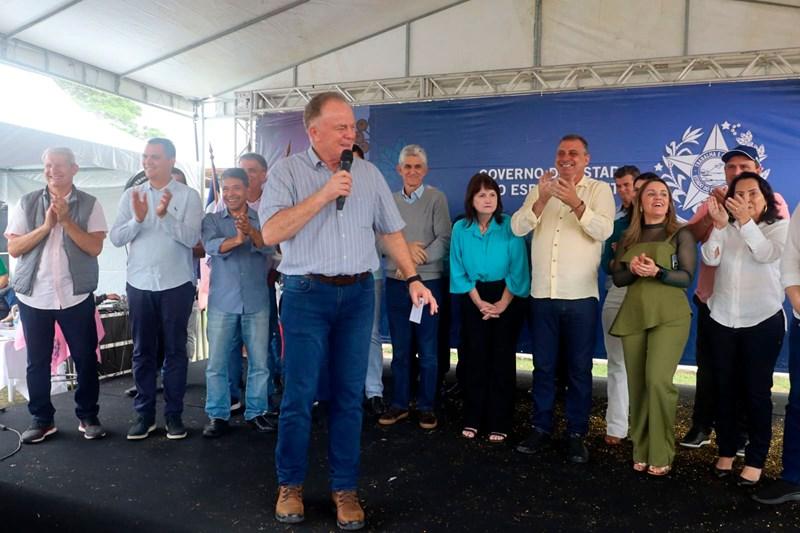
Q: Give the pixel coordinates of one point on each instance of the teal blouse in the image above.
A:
(496, 255)
(620, 225)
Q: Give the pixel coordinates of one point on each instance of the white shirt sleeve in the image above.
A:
(790, 261)
(97, 219)
(17, 223)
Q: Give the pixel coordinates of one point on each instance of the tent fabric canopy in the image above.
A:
(175, 53)
(21, 151)
(103, 172)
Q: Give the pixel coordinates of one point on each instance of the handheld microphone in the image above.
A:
(345, 162)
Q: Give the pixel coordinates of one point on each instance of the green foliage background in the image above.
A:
(121, 112)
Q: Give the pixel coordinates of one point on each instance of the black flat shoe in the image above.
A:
(263, 424)
(215, 428)
(721, 473)
(778, 492)
(747, 483)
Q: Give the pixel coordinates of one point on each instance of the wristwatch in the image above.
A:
(412, 279)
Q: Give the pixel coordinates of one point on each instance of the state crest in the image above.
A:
(693, 173)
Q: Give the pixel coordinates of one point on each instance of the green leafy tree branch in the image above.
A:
(120, 112)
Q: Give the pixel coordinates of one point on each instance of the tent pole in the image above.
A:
(202, 151)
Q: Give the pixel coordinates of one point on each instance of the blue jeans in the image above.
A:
(323, 323)
(274, 363)
(404, 332)
(791, 430)
(77, 324)
(571, 323)
(169, 311)
(236, 361)
(373, 386)
(224, 331)
(235, 370)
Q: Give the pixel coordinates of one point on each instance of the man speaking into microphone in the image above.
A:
(328, 248)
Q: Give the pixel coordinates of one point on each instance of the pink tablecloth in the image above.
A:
(60, 348)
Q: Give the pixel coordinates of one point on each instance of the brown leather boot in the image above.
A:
(349, 514)
(289, 508)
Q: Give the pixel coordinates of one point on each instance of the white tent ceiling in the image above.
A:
(192, 48)
(173, 53)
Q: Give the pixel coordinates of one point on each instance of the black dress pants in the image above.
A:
(744, 360)
(488, 354)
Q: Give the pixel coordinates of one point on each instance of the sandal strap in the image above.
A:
(659, 470)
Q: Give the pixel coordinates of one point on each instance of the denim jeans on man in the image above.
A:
(323, 322)
(78, 325)
(236, 362)
(373, 386)
(565, 327)
(791, 430)
(274, 362)
(404, 332)
(224, 331)
(235, 368)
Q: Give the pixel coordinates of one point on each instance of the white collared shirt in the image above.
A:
(52, 286)
(747, 284)
(565, 252)
(790, 261)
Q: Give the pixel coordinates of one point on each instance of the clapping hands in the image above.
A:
(243, 227)
(719, 216)
(643, 266)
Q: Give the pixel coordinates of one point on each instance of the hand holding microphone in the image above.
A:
(345, 162)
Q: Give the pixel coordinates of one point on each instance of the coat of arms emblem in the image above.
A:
(692, 174)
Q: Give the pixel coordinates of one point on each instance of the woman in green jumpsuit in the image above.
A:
(656, 260)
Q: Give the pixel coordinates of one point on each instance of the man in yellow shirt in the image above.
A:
(570, 216)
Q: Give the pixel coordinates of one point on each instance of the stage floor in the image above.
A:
(412, 480)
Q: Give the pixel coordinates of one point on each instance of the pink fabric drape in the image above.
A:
(60, 348)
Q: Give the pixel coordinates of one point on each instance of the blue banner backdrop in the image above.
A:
(678, 132)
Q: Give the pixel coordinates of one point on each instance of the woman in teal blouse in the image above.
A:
(489, 270)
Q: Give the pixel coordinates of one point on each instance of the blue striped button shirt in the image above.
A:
(332, 242)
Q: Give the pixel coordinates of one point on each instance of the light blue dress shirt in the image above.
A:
(160, 249)
(238, 276)
(416, 195)
(333, 242)
(493, 256)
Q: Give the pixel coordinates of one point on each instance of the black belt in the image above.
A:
(339, 281)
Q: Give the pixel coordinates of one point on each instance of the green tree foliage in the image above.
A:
(121, 112)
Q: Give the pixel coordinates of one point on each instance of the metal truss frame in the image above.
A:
(706, 68)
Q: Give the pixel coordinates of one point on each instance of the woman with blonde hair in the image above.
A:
(655, 260)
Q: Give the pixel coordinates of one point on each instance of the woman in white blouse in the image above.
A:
(747, 316)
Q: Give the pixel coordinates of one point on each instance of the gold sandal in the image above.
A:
(496, 437)
(659, 471)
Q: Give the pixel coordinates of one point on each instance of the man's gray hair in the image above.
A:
(413, 150)
(313, 108)
(60, 150)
